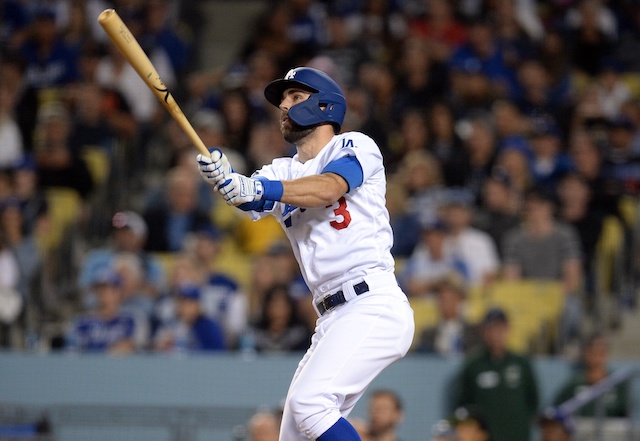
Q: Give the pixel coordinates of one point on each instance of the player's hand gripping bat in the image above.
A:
(133, 53)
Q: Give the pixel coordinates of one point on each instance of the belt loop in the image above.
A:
(349, 292)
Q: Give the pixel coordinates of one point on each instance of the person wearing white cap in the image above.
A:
(128, 234)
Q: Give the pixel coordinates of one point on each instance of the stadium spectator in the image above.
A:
(594, 367)
(440, 29)
(278, 328)
(511, 126)
(421, 79)
(542, 248)
(421, 176)
(26, 99)
(58, 164)
(223, 299)
(611, 90)
(11, 300)
(342, 48)
(592, 35)
(549, 162)
(412, 137)
(137, 300)
(483, 55)
(588, 160)
(51, 62)
(471, 246)
(575, 199)
(263, 426)
(362, 427)
(385, 414)
(445, 143)
(430, 261)
(169, 223)
(31, 196)
(23, 246)
(115, 116)
(518, 29)
(499, 209)
(622, 157)
(238, 115)
(93, 125)
(106, 329)
(161, 31)
(404, 223)
(14, 29)
(514, 161)
(499, 383)
(10, 135)
(452, 335)
(191, 331)
(480, 150)
(469, 425)
(128, 234)
(555, 426)
(535, 95)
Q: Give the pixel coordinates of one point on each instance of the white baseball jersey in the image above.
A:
(348, 239)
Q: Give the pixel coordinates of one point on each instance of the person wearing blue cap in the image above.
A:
(192, 331)
(107, 329)
(499, 383)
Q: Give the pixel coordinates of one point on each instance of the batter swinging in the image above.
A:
(330, 200)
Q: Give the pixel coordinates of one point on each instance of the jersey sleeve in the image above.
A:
(348, 168)
(365, 150)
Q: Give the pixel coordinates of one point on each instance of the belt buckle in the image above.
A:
(325, 306)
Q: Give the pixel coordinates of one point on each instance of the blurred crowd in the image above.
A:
(510, 131)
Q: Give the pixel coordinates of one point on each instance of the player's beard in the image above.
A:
(294, 133)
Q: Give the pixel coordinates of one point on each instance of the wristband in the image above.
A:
(272, 190)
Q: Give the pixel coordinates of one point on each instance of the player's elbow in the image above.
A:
(333, 188)
(327, 198)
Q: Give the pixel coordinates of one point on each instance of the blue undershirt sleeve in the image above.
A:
(349, 168)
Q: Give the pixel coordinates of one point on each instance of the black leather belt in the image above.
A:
(330, 302)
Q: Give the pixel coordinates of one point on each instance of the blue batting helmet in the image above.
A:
(326, 103)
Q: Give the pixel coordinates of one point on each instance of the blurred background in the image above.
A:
(134, 304)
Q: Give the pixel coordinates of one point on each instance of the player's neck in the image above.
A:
(309, 147)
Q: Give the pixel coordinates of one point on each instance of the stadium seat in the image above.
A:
(425, 314)
(98, 162)
(256, 237)
(65, 206)
(534, 308)
(608, 250)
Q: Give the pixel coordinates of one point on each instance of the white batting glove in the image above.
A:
(214, 168)
(237, 189)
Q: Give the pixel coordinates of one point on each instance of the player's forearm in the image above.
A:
(314, 191)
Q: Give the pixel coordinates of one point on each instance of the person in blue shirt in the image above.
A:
(192, 331)
(50, 61)
(107, 329)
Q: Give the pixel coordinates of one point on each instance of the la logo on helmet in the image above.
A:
(290, 74)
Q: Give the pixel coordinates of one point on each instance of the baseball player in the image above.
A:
(330, 200)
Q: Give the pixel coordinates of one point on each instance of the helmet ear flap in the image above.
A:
(318, 108)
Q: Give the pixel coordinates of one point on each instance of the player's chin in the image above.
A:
(294, 133)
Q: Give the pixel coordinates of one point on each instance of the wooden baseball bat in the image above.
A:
(133, 53)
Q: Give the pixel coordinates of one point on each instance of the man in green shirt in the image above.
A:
(500, 383)
(594, 368)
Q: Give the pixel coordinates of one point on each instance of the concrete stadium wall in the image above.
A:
(140, 398)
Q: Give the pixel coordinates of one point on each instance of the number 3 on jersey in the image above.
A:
(342, 212)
